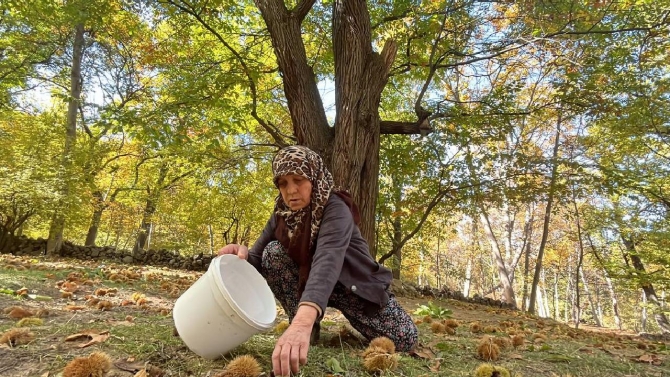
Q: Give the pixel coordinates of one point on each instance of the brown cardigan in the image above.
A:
(341, 255)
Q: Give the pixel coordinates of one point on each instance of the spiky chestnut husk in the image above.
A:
(242, 366)
(96, 364)
(487, 350)
(383, 343)
(17, 337)
(488, 370)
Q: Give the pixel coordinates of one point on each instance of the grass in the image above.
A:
(149, 338)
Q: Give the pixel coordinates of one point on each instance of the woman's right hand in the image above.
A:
(233, 248)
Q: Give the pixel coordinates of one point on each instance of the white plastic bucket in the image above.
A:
(228, 304)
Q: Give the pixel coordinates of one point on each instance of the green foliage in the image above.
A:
(433, 310)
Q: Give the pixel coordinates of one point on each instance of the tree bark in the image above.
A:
(351, 147)
(647, 287)
(547, 216)
(55, 240)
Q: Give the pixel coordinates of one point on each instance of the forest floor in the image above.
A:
(132, 323)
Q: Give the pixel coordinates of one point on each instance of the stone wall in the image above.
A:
(36, 247)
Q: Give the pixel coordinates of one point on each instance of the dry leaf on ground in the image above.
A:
(93, 336)
(423, 353)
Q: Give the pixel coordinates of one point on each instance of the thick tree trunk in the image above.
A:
(547, 216)
(647, 287)
(351, 147)
(55, 240)
(7, 241)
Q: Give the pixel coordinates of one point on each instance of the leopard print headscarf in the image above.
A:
(297, 230)
(305, 162)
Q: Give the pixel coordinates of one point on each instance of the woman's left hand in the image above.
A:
(291, 349)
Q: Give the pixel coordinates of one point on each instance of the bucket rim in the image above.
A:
(218, 280)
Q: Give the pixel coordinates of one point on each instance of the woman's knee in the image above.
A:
(274, 257)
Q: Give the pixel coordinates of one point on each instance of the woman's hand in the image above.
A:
(233, 248)
(291, 349)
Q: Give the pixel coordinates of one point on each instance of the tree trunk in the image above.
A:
(580, 261)
(98, 208)
(528, 232)
(397, 250)
(351, 147)
(540, 304)
(647, 287)
(615, 302)
(589, 296)
(570, 295)
(468, 278)
(557, 313)
(508, 290)
(55, 240)
(643, 313)
(547, 216)
(149, 210)
(210, 229)
(547, 312)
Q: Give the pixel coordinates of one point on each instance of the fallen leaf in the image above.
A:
(46, 374)
(423, 353)
(142, 373)
(516, 356)
(93, 336)
(129, 365)
(435, 367)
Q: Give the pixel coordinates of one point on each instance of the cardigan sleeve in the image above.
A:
(256, 251)
(332, 243)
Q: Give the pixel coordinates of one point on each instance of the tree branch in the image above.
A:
(436, 200)
(302, 9)
(247, 71)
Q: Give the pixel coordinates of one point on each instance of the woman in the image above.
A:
(312, 255)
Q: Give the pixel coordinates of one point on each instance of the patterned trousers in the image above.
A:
(391, 321)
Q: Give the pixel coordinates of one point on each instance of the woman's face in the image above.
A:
(296, 191)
